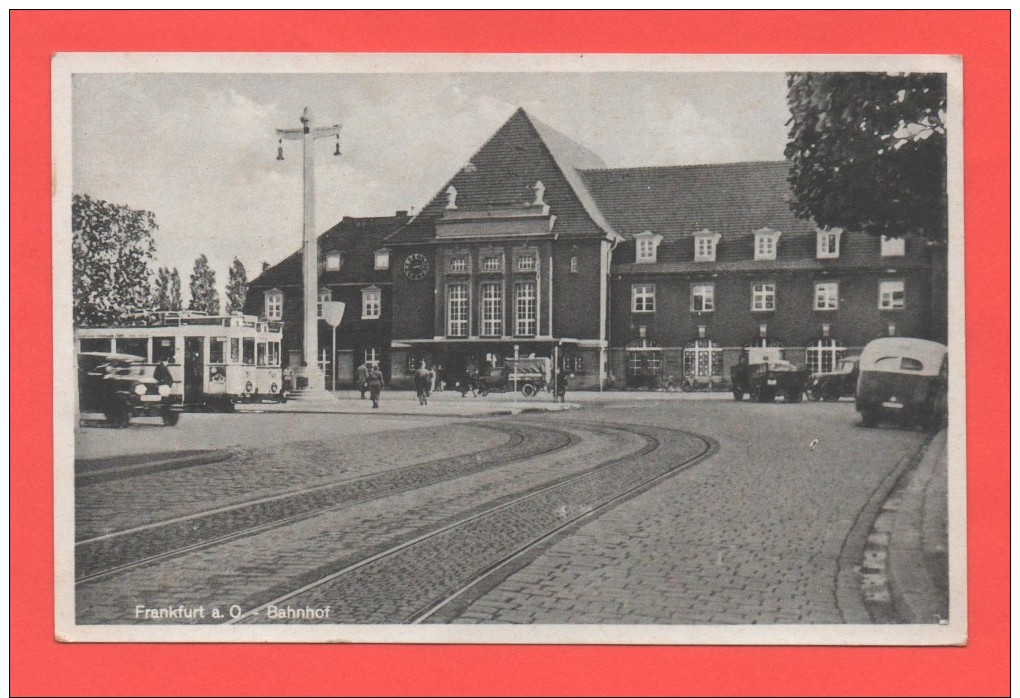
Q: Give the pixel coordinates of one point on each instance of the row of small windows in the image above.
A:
(766, 243)
(703, 358)
(458, 310)
(335, 260)
(371, 303)
(891, 296)
(460, 264)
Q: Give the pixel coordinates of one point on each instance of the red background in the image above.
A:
(40, 666)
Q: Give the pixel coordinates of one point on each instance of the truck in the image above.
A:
(763, 375)
(529, 375)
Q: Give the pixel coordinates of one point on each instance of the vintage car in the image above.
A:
(763, 376)
(528, 375)
(122, 386)
(905, 379)
(832, 385)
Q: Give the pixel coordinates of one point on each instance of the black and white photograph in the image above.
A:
(509, 349)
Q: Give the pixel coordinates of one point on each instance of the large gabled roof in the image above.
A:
(503, 173)
(356, 238)
(732, 199)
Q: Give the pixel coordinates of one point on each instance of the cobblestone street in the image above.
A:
(627, 511)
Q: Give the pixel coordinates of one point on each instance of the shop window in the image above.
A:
(823, 355)
(702, 359)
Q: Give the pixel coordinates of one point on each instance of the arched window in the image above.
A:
(823, 354)
(644, 358)
(702, 359)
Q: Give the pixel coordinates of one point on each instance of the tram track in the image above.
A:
(110, 554)
(418, 580)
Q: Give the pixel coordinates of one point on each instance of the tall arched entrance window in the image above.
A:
(823, 354)
(644, 363)
(702, 359)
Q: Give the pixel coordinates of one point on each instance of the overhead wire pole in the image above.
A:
(309, 370)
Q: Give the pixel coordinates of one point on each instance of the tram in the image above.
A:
(215, 361)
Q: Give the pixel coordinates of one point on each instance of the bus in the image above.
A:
(215, 361)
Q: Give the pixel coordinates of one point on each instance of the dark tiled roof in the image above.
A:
(356, 238)
(505, 169)
(734, 200)
(730, 199)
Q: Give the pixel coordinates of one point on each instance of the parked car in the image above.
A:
(529, 375)
(763, 376)
(905, 379)
(122, 386)
(832, 385)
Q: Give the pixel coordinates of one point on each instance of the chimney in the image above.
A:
(401, 214)
(265, 265)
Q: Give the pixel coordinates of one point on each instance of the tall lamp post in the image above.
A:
(309, 369)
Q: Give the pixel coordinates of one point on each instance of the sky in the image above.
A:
(199, 149)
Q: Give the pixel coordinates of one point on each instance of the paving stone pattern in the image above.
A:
(253, 569)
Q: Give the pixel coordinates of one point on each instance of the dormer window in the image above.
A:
(646, 247)
(704, 245)
(334, 260)
(382, 260)
(766, 241)
(893, 247)
(828, 243)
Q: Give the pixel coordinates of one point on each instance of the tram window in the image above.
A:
(260, 353)
(162, 349)
(249, 351)
(217, 347)
(274, 353)
(102, 345)
(133, 345)
(235, 350)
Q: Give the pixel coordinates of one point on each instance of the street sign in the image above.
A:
(333, 312)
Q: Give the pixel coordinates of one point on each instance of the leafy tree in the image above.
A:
(167, 294)
(237, 287)
(112, 250)
(204, 296)
(868, 151)
(174, 294)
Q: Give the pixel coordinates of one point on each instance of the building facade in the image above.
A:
(354, 267)
(627, 277)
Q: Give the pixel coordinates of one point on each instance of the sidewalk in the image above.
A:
(918, 541)
(405, 403)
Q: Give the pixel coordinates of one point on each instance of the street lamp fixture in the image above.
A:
(309, 370)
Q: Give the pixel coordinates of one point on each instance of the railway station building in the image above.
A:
(628, 276)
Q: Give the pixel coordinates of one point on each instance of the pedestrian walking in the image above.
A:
(561, 388)
(375, 384)
(362, 378)
(421, 384)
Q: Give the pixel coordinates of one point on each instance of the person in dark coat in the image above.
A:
(375, 384)
(362, 377)
(561, 388)
(422, 384)
(162, 374)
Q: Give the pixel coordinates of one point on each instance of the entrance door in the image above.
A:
(194, 366)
